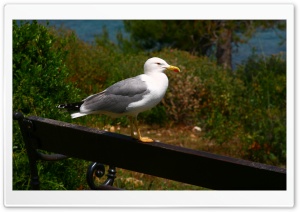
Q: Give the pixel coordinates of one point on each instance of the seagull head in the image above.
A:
(157, 65)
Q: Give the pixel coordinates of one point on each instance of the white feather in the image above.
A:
(78, 114)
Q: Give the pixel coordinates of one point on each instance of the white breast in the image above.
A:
(157, 84)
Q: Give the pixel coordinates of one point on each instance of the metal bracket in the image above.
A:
(97, 170)
(26, 127)
(31, 144)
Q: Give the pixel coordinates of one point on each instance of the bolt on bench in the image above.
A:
(158, 159)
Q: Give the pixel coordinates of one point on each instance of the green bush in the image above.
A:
(39, 85)
(263, 115)
(39, 73)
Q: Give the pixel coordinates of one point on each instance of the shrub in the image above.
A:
(264, 114)
(39, 73)
(39, 84)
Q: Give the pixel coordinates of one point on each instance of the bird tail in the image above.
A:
(76, 115)
(74, 108)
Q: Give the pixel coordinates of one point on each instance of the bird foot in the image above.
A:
(146, 139)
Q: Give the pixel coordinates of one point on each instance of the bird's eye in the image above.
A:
(158, 63)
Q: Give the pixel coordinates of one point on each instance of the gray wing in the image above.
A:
(117, 97)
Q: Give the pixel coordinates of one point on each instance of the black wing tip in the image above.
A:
(71, 106)
(61, 106)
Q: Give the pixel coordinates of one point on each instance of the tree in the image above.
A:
(199, 37)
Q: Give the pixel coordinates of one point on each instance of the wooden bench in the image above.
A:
(158, 159)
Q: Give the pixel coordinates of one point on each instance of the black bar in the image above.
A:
(52, 157)
(158, 159)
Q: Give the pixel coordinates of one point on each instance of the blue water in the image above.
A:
(264, 43)
(87, 29)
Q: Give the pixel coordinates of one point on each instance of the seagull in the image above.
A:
(128, 97)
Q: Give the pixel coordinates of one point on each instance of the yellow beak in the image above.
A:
(173, 68)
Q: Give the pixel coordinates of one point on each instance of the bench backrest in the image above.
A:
(157, 159)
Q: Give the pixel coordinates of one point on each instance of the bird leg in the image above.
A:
(131, 126)
(143, 139)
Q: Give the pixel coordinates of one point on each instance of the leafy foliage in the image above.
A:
(264, 111)
(39, 74)
(39, 84)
